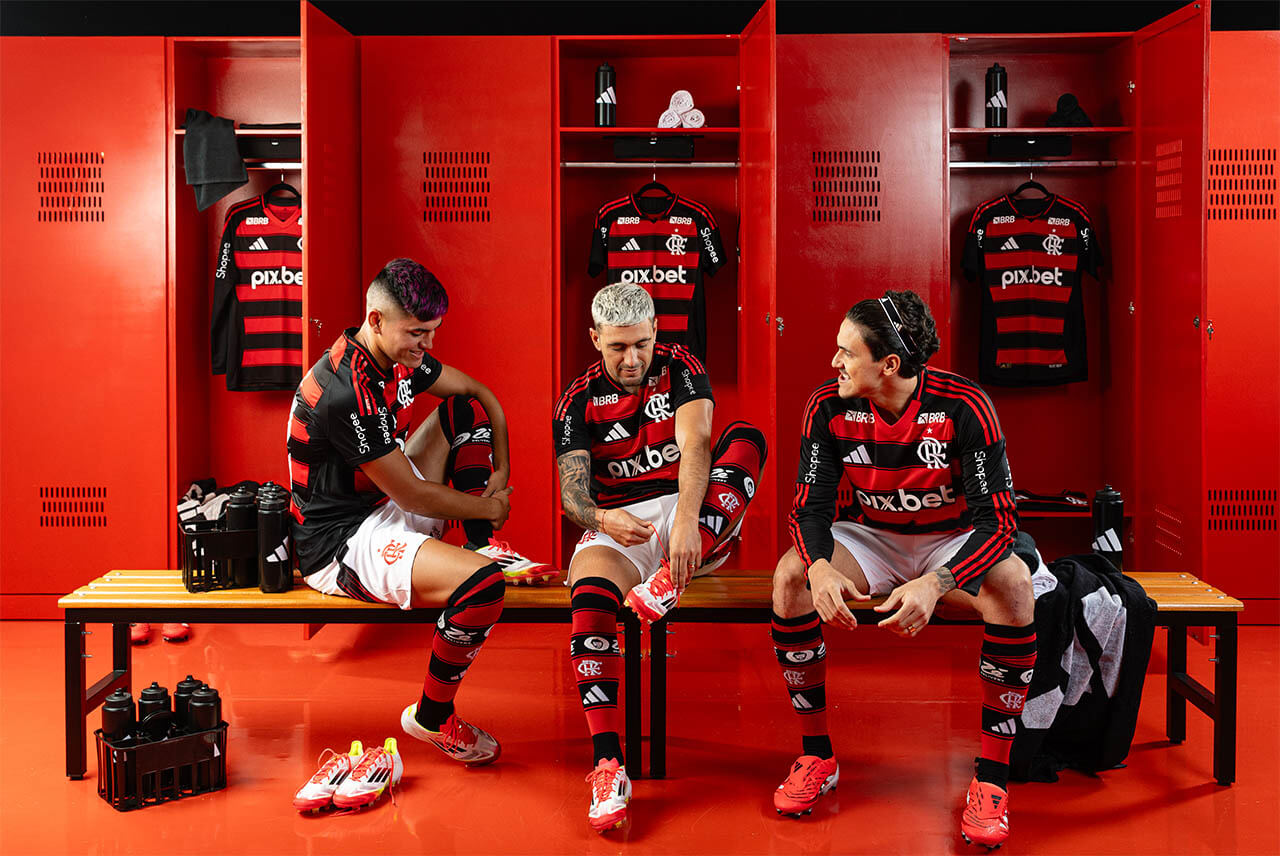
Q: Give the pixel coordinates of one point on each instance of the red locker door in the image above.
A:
(456, 151)
(333, 295)
(82, 314)
(863, 208)
(757, 289)
(1172, 86)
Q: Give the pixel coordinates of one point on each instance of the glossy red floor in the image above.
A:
(903, 715)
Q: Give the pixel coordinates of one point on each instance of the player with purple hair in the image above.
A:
(371, 500)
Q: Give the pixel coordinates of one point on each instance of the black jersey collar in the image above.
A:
(350, 333)
(654, 218)
(889, 418)
(1048, 203)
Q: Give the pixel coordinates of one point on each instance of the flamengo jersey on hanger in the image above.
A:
(663, 244)
(1029, 255)
(256, 326)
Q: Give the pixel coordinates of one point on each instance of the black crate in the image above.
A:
(137, 775)
(206, 550)
(678, 147)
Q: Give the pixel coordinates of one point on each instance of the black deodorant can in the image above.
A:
(1108, 525)
(997, 97)
(606, 98)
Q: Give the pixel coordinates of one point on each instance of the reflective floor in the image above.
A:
(904, 718)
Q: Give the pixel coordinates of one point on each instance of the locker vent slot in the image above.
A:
(73, 507)
(1242, 184)
(1168, 157)
(1242, 510)
(70, 187)
(1168, 529)
(846, 186)
(456, 187)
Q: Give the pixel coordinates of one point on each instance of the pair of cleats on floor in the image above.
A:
(359, 778)
(985, 820)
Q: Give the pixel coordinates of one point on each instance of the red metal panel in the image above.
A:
(840, 98)
(333, 296)
(1242, 437)
(1172, 83)
(423, 100)
(757, 374)
(82, 483)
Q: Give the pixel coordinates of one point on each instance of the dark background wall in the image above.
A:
(451, 17)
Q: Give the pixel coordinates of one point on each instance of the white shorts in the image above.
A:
(660, 511)
(889, 559)
(378, 565)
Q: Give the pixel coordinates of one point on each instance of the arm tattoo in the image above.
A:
(575, 492)
(946, 580)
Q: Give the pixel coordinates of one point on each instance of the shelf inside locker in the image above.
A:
(256, 132)
(1097, 132)
(657, 132)
(283, 47)
(1033, 165)
(1033, 43)
(605, 48)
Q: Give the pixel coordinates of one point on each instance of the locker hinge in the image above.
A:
(1132, 86)
(780, 325)
(1195, 322)
(319, 324)
(1131, 307)
(768, 317)
(1209, 327)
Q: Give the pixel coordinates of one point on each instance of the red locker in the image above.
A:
(82, 478)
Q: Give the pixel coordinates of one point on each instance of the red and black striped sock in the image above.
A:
(467, 428)
(736, 463)
(803, 657)
(1008, 661)
(472, 610)
(597, 661)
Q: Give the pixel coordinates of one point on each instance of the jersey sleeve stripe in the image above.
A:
(686, 356)
(1075, 206)
(821, 394)
(977, 403)
(981, 209)
(566, 398)
(610, 206)
(701, 209)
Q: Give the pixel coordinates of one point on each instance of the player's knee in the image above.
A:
(1009, 582)
(789, 575)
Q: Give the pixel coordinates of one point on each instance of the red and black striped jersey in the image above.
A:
(347, 411)
(1029, 255)
(631, 438)
(938, 468)
(663, 244)
(256, 325)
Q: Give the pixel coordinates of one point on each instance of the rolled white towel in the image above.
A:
(669, 119)
(693, 118)
(681, 101)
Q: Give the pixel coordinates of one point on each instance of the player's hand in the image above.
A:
(915, 602)
(684, 552)
(502, 507)
(624, 527)
(497, 481)
(830, 588)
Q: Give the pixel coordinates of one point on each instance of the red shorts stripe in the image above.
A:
(1029, 324)
(1031, 356)
(272, 357)
(273, 324)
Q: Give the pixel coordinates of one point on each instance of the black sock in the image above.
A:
(820, 745)
(992, 772)
(478, 532)
(607, 745)
(431, 715)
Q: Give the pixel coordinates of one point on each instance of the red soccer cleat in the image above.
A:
(656, 596)
(986, 815)
(610, 793)
(810, 778)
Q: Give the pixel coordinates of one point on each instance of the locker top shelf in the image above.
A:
(283, 47)
(606, 48)
(1102, 131)
(1034, 43)
(637, 131)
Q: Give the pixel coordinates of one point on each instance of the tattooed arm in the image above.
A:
(575, 489)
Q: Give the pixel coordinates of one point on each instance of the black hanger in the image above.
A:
(655, 185)
(1032, 185)
(281, 187)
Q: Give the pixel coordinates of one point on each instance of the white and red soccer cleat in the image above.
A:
(809, 779)
(457, 738)
(516, 569)
(986, 815)
(610, 793)
(377, 770)
(656, 596)
(318, 792)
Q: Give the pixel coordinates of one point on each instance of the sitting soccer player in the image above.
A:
(933, 519)
(370, 501)
(659, 503)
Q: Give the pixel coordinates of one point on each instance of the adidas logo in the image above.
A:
(633, 244)
(714, 522)
(595, 695)
(1107, 542)
(259, 244)
(607, 97)
(1009, 726)
(617, 432)
(1010, 244)
(799, 702)
(998, 100)
(858, 456)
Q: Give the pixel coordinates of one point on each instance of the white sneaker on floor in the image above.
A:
(457, 738)
(318, 792)
(377, 770)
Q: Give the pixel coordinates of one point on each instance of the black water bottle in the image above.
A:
(1108, 524)
(154, 713)
(997, 97)
(275, 561)
(606, 97)
(182, 700)
(241, 515)
(205, 710)
(118, 716)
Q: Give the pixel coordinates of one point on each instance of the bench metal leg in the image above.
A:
(1224, 691)
(73, 653)
(1175, 703)
(658, 700)
(634, 711)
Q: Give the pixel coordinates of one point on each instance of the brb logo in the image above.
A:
(933, 453)
(658, 407)
(648, 459)
(653, 275)
(901, 501)
(393, 552)
(283, 276)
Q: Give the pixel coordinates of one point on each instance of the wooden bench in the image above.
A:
(126, 596)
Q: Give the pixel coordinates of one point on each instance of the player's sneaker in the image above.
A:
(139, 634)
(174, 631)
(516, 569)
(810, 778)
(610, 793)
(986, 815)
(656, 596)
(457, 738)
(318, 793)
(376, 770)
